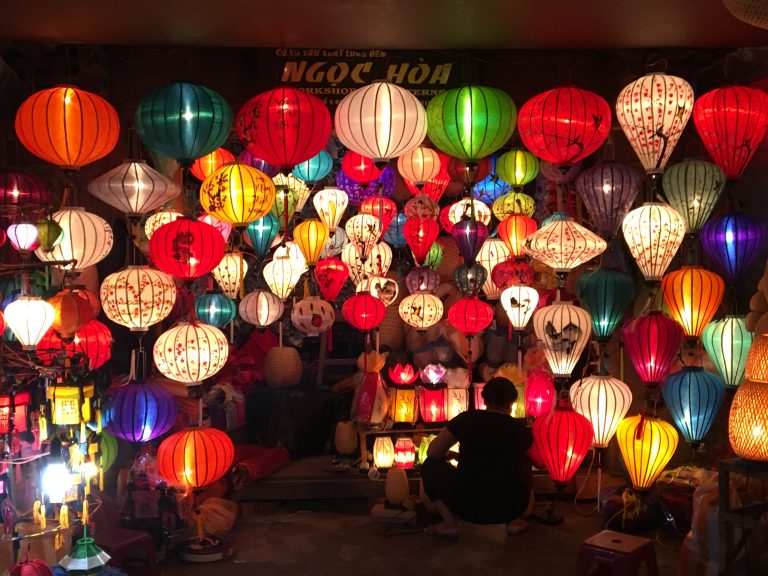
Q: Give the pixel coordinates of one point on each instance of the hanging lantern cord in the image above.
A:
(652, 396)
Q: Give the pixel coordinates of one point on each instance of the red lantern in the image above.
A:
(405, 453)
(445, 219)
(363, 311)
(186, 248)
(460, 171)
(420, 234)
(514, 229)
(403, 374)
(540, 393)
(435, 187)
(470, 315)
(563, 438)
(432, 404)
(359, 168)
(511, 272)
(652, 342)
(732, 121)
(195, 457)
(564, 125)
(20, 401)
(331, 274)
(29, 567)
(382, 208)
(284, 126)
(93, 341)
(5, 413)
(20, 189)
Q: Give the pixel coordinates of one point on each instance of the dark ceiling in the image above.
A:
(446, 24)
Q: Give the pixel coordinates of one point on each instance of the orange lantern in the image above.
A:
(208, 164)
(72, 311)
(692, 295)
(402, 404)
(311, 237)
(514, 229)
(195, 457)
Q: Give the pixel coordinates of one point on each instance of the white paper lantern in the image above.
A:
(281, 276)
(191, 352)
(86, 240)
(159, 219)
(363, 231)
(653, 233)
(519, 302)
(138, 297)
(563, 244)
(421, 310)
(29, 318)
(134, 188)
(491, 253)
(604, 401)
(464, 209)
(260, 308)
(312, 315)
(377, 263)
(330, 204)
(229, 273)
(564, 330)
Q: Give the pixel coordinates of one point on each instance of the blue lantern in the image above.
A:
(605, 293)
(215, 308)
(693, 397)
(314, 169)
(491, 187)
(140, 412)
(394, 234)
(733, 242)
(262, 233)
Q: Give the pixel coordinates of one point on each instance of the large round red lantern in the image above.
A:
(652, 342)
(564, 125)
(363, 311)
(195, 457)
(360, 168)
(284, 126)
(563, 438)
(331, 274)
(186, 248)
(420, 234)
(470, 315)
(92, 342)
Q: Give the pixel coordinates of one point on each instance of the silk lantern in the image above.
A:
(140, 412)
(564, 330)
(157, 219)
(28, 318)
(381, 121)
(422, 206)
(563, 244)
(469, 278)
(421, 310)
(22, 189)
(381, 287)
(23, 237)
(491, 187)
(652, 342)
(359, 168)
(564, 125)
(432, 404)
(469, 235)
(195, 457)
(377, 263)
(692, 295)
(67, 126)
(215, 308)
(248, 157)
(208, 164)
(469, 208)
(563, 438)
(422, 279)
(653, 234)
(71, 311)
(420, 233)
(646, 444)
(512, 271)
(732, 242)
(237, 194)
(330, 204)
(311, 236)
(471, 122)
(514, 230)
(285, 204)
(540, 394)
(262, 233)
(470, 315)
(405, 453)
(604, 401)
(517, 167)
(419, 165)
(433, 188)
(383, 186)
(748, 421)
(363, 231)
(727, 342)
(513, 203)
(608, 190)
(605, 293)
(281, 275)
(732, 122)
(693, 397)
(435, 255)
(230, 272)
(93, 342)
(331, 274)
(363, 311)
(191, 352)
(315, 169)
(468, 174)
(383, 452)
(312, 315)
(519, 302)
(49, 234)
(87, 239)
(186, 248)
(134, 188)
(261, 308)
(693, 188)
(298, 188)
(382, 208)
(491, 253)
(137, 297)
(653, 112)
(183, 121)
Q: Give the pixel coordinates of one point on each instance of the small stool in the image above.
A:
(614, 553)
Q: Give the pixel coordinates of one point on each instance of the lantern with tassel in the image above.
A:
(562, 437)
(646, 444)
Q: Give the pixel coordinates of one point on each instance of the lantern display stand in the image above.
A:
(366, 435)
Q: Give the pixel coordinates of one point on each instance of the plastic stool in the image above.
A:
(614, 553)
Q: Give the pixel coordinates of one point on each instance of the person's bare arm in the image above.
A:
(441, 445)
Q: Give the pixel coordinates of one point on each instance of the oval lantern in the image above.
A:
(363, 231)
(470, 315)
(237, 194)
(312, 315)
(215, 308)
(140, 412)
(376, 264)
(540, 393)
(563, 244)
(693, 188)
(513, 203)
(646, 444)
(653, 234)
(191, 352)
(422, 279)
(419, 165)
(86, 240)
(137, 297)
(67, 126)
(604, 401)
(727, 342)
(608, 190)
(134, 188)
(420, 234)
(315, 169)
(517, 167)
(605, 293)
(562, 438)
(282, 275)
(732, 242)
(692, 295)
(564, 330)
(359, 168)
(748, 421)
(186, 248)
(492, 252)
(381, 287)
(519, 302)
(331, 274)
(421, 310)
(469, 208)
(330, 204)
(157, 219)
(195, 457)
(20, 189)
(469, 278)
(469, 235)
(311, 236)
(261, 308)
(24, 237)
(262, 233)
(652, 342)
(514, 230)
(29, 318)
(363, 311)
(693, 397)
(230, 273)
(382, 208)
(208, 164)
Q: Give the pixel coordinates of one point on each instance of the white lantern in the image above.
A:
(564, 330)
(312, 315)
(491, 253)
(380, 121)
(419, 165)
(464, 209)
(653, 234)
(191, 352)
(134, 188)
(336, 243)
(260, 308)
(377, 263)
(86, 240)
(421, 310)
(281, 276)
(563, 244)
(291, 251)
(159, 219)
(330, 204)
(29, 318)
(421, 206)
(24, 237)
(519, 302)
(229, 273)
(383, 288)
(604, 401)
(363, 231)
(138, 297)
(224, 227)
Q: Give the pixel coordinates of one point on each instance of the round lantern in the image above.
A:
(134, 188)
(183, 121)
(24, 237)
(469, 278)
(186, 248)
(469, 208)
(237, 194)
(693, 188)
(383, 452)
(692, 295)
(137, 297)
(298, 188)
(208, 164)
(564, 329)
(312, 315)
(380, 121)
(260, 308)
(421, 310)
(262, 233)
(491, 187)
(71, 312)
(282, 275)
(363, 311)
(383, 186)
(158, 219)
(563, 244)
(693, 397)
(67, 126)
(653, 234)
(331, 274)
(563, 438)
(315, 169)
(422, 279)
(29, 318)
(247, 157)
(224, 227)
(330, 204)
(540, 393)
(30, 567)
(420, 233)
(140, 412)
(359, 168)
(87, 240)
(514, 230)
(517, 167)
(468, 174)
(422, 206)
(230, 272)
(513, 203)
(646, 444)
(363, 231)
(653, 111)
(731, 122)
(381, 287)
(471, 122)
(652, 342)
(748, 421)
(564, 125)
(377, 263)
(519, 303)
(727, 342)
(49, 233)
(419, 165)
(470, 315)
(311, 236)
(608, 190)
(191, 352)
(195, 457)
(93, 342)
(605, 293)
(604, 401)
(512, 271)
(469, 235)
(491, 253)
(215, 309)
(21, 189)
(382, 208)
(733, 242)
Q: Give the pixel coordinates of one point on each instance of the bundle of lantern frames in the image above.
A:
(261, 193)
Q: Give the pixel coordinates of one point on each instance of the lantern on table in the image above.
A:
(646, 444)
(432, 404)
(456, 402)
(405, 453)
(383, 452)
(402, 404)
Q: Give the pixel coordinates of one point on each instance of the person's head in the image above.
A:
(499, 394)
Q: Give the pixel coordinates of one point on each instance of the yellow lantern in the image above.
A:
(421, 310)
(377, 264)
(491, 253)
(748, 421)
(281, 276)
(513, 203)
(299, 189)
(564, 329)
(456, 402)
(692, 295)
(363, 231)
(191, 352)
(653, 233)
(330, 204)
(260, 308)
(402, 405)
(311, 236)
(159, 219)
(70, 404)
(237, 194)
(29, 318)
(563, 244)
(381, 287)
(519, 302)
(137, 297)
(383, 452)
(230, 272)
(419, 165)
(646, 444)
(465, 207)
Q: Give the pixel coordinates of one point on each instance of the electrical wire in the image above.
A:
(580, 490)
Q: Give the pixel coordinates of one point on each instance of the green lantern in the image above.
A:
(727, 342)
(470, 279)
(286, 200)
(434, 256)
(471, 122)
(107, 450)
(85, 557)
(693, 188)
(215, 308)
(49, 233)
(517, 167)
(605, 294)
(183, 121)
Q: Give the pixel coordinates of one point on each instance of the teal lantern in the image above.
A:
(605, 293)
(215, 308)
(727, 342)
(262, 233)
(183, 121)
(693, 397)
(315, 169)
(471, 122)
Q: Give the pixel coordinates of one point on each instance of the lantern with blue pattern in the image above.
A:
(215, 308)
(693, 397)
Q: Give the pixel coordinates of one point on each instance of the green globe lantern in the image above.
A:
(727, 342)
(605, 293)
(434, 256)
(215, 308)
(107, 450)
(693, 188)
(517, 167)
(471, 122)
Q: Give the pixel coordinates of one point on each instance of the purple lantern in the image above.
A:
(732, 242)
(20, 189)
(422, 279)
(358, 192)
(469, 235)
(247, 157)
(608, 190)
(140, 412)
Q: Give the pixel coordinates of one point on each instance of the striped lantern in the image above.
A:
(195, 457)
(604, 401)
(134, 188)
(191, 352)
